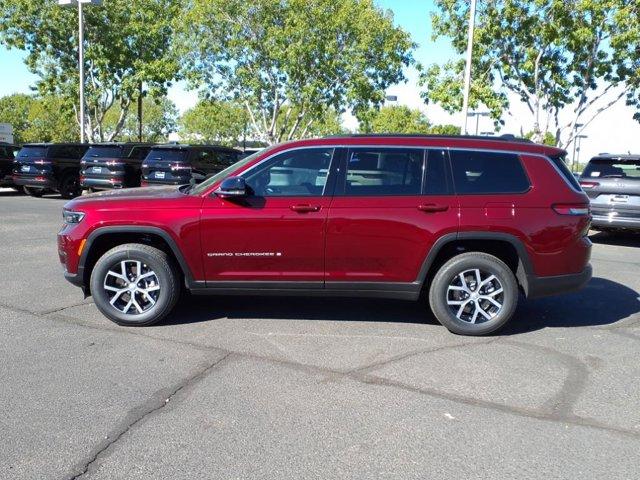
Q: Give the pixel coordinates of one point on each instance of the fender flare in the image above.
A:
(524, 269)
(101, 231)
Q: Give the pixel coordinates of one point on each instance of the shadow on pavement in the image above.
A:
(601, 302)
(621, 239)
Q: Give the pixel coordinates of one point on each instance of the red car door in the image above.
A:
(390, 206)
(277, 233)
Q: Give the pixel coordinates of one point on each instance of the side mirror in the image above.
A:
(232, 187)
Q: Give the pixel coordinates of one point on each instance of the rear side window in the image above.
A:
(168, 154)
(32, 152)
(477, 172)
(384, 171)
(560, 162)
(613, 168)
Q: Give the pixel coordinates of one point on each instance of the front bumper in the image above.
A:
(545, 286)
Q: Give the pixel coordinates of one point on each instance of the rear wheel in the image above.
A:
(34, 192)
(474, 294)
(70, 186)
(135, 284)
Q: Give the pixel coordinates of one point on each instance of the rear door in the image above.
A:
(391, 205)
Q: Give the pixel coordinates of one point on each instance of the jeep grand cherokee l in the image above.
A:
(612, 183)
(112, 165)
(469, 221)
(42, 167)
(181, 164)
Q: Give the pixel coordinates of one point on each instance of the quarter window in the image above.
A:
(477, 172)
(384, 171)
(296, 173)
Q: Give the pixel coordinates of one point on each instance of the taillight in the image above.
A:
(113, 163)
(571, 209)
(42, 162)
(587, 185)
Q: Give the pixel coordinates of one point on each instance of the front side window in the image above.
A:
(478, 172)
(384, 171)
(296, 173)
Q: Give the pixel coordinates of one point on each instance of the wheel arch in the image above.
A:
(104, 238)
(508, 248)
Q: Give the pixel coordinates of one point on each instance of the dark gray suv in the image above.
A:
(612, 183)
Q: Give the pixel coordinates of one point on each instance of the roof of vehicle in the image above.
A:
(185, 146)
(123, 144)
(65, 144)
(614, 156)
(505, 142)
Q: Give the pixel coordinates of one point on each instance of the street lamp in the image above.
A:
(477, 115)
(80, 3)
(579, 140)
(467, 71)
(575, 129)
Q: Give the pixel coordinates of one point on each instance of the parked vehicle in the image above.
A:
(42, 167)
(180, 164)
(612, 183)
(7, 156)
(113, 165)
(469, 221)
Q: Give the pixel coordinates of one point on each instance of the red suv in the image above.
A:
(469, 221)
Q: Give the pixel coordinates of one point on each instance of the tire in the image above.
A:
(464, 315)
(34, 192)
(69, 186)
(123, 311)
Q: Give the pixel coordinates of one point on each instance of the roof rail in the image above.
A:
(502, 138)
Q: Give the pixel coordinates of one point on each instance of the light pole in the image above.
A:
(467, 71)
(579, 139)
(477, 115)
(80, 3)
(575, 129)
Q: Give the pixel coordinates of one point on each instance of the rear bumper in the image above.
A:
(102, 183)
(34, 182)
(556, 285)
(616, 219)
(151, 182)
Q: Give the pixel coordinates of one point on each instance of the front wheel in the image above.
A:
(135, 284)
(474, 294)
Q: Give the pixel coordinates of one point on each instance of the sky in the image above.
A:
(613, 131)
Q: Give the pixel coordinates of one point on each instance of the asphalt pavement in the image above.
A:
(278, 388)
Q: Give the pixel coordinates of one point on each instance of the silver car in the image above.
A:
(612, 183)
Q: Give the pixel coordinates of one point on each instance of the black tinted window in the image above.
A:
(436, 180)
(613, 168)
(104, 152)
(33, 152)
(168, 154)
(561, 164)
(139, 152)
(476, 172)
(295, 173)
(384, 171)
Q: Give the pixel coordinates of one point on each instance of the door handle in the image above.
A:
(432, 208)
(305, 208)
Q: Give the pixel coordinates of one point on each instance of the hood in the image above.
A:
(140, 195)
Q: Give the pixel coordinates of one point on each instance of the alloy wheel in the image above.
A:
(132, 287)
(475, 296)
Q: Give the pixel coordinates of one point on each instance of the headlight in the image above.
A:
(70, 217)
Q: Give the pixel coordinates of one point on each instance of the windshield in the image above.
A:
(613, 168)
(104, 152)
(202, 187)
(31, 152)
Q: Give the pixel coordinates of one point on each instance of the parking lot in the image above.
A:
(311, 388)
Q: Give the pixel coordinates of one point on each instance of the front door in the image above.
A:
(277, 233)
(390, 206)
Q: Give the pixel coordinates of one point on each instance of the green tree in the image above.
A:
(548, 138)
(39, 119)
(395, 119)
(212, 121)
(553, 54)
(288, 61)
(159, 119)
(445, 129)
(128, 42)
